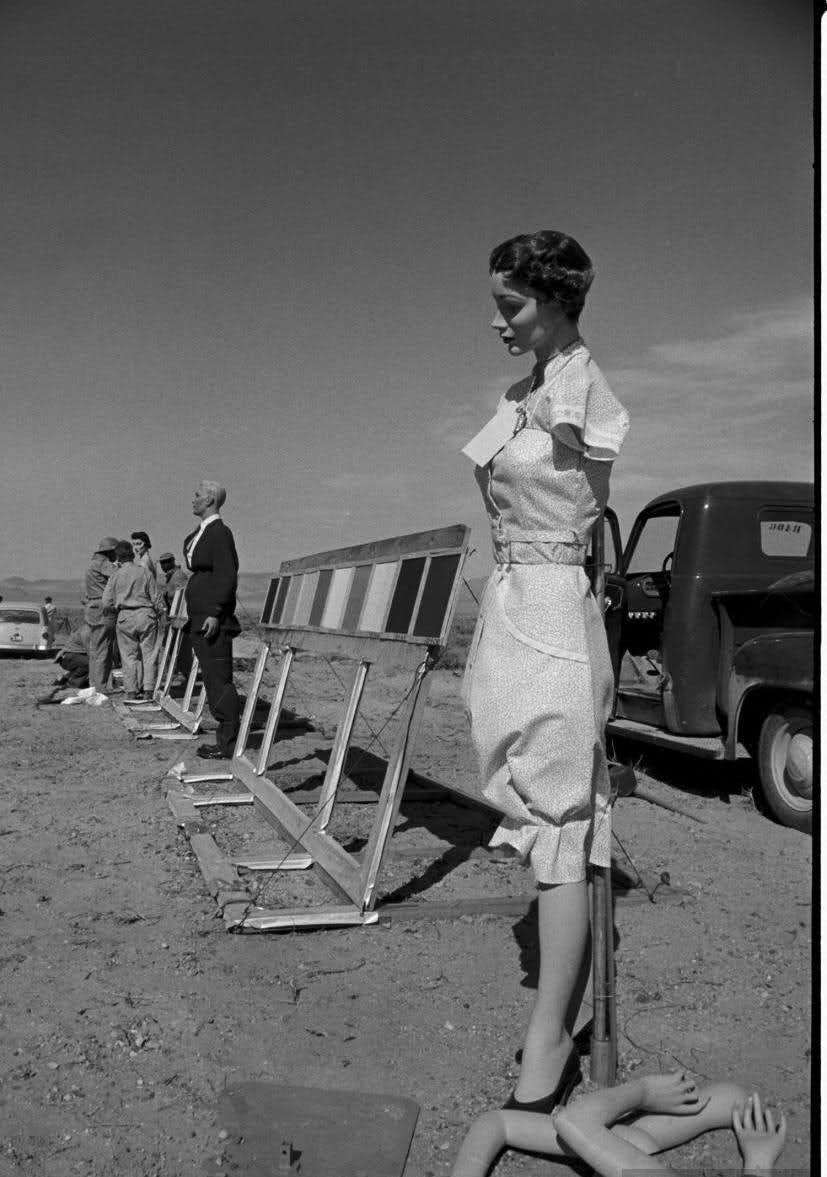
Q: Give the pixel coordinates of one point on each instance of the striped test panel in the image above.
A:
(388, 589)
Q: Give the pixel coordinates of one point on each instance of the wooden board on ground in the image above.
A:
(274, 1129)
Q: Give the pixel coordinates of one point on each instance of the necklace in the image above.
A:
(521, 414)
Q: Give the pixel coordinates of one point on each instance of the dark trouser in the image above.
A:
(77, 669)
(216, 661)
(184, 661)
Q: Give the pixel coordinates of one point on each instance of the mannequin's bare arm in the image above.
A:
(672, 1114)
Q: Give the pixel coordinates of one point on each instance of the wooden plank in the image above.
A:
(124, 715)
(252, 699)
(165, 681)
(182, 807)
(276, 862)
(190, 685)
(341, 744)
(334, 863)
(222, 799)
(198, 778)
(219, 873)
(185, 814)
(392, 788)
(189, 720)
(287, 919)
(388, 649)
(180, 734)
(442, 540)
(234, 914)
(273, 716)
(335, 605)
(170, 646)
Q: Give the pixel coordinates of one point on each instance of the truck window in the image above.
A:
(654, 543)
(786, 532)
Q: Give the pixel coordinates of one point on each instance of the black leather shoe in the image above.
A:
(211, 752)
(571, 1076)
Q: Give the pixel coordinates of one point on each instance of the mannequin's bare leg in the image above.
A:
(563, 921)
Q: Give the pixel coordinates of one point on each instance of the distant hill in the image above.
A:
(252, 589)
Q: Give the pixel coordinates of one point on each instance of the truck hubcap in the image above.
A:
(798, 770)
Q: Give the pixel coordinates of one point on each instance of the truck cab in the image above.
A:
(710, 617)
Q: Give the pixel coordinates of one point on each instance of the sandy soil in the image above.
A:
(128, 1008)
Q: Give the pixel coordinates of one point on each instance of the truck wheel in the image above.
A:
(785, 764)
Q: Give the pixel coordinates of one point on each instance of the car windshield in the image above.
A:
(19, 616)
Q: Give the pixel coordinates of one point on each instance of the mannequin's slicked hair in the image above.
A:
(551, 263)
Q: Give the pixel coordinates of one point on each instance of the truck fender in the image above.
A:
(751, 702)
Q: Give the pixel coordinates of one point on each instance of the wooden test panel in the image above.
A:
(389, 602)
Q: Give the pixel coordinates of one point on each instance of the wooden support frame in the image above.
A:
(391, 603)
(187, 715)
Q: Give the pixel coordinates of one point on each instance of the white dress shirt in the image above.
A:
(190, 548)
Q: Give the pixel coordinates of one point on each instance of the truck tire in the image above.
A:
(785, 764)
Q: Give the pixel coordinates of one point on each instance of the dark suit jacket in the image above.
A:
(211, 589)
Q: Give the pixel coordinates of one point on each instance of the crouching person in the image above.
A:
(74, 658)
(134, 596)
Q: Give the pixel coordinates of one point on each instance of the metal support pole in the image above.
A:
(604, 1032)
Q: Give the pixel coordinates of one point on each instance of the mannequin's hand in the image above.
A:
(760, 1139)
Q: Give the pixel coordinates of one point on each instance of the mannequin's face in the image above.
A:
(525, 321)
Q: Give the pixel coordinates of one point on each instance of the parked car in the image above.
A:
(25, 628)
(711, 613)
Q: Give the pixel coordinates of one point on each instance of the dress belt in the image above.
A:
(538, 547)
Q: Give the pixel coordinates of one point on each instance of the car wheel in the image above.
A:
(785, 764)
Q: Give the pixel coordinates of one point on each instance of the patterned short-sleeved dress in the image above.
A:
(538, 683)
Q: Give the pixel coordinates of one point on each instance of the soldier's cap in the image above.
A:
(107, 544)
(164, 556)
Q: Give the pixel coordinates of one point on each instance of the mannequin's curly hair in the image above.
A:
(552, 263)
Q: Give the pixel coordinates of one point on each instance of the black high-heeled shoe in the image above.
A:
(571, 1076)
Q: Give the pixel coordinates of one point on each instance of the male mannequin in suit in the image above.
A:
(209, 553)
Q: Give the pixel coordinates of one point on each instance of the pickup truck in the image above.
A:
(710, 611)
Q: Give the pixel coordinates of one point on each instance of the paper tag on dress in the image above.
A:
(493, 436)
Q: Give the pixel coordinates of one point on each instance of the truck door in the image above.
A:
(614, 586)
(647, 563)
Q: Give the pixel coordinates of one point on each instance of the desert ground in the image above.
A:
(129, 1009)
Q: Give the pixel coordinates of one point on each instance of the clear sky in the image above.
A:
(248, 239)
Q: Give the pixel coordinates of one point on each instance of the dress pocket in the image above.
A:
(542, 607)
